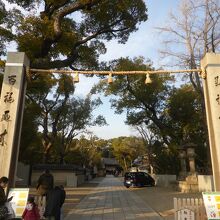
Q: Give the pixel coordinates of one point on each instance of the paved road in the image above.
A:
(110, 200)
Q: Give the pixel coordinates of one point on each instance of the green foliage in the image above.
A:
(185, 115)
(31, 33)
(64, 34)
(85, 152)
(30, 147)
(24, 3)
(171, 116)
(73, 29)
(184, 110)
(126, 149)
(52, 109)
(142, 103)
(166, 161)
(5, 30)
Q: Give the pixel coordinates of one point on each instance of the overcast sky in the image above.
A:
(145, 42)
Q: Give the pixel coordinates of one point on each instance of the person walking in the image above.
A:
(31, 211)
(54, 201)
(45, 183)
(3, 198)
(62, 200)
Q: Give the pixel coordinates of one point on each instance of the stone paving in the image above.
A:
(110, 200)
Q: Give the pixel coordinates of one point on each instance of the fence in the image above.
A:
(189, 209)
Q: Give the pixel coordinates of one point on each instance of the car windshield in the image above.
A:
(140, 174)
(134, 174)
(129, 175)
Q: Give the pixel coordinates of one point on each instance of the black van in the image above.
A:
(138, 179)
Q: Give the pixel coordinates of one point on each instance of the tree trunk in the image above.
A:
(198, 87)
(46, 157)
(125, 164)
(62, 158)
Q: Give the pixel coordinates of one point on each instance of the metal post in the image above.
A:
(11, 113)
(211, 83)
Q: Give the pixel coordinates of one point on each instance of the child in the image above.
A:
(31, 211)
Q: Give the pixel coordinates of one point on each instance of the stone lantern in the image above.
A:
(182, 156)
(191, 179)
(191, 157)
(189, 149)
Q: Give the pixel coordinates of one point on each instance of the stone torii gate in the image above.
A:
(13, 96)
(11, 113)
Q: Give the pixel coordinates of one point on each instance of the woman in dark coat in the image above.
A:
(45, 183)
(54, 202)
(3, 198)
(3, 185)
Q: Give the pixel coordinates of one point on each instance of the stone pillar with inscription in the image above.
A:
(11, 113)
(211, 84)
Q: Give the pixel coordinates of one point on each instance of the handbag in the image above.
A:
(3, 212)
(11, 212)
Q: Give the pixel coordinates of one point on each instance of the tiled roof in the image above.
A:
(110, 161)
(57, 167)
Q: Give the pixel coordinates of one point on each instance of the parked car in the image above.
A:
(138, 179)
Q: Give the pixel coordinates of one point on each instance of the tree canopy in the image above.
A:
(68, 33)
(58, 34)
(55, 115)
(5, 29)
(127, 149)
(166, 116)
(190, 33)
(142, 103)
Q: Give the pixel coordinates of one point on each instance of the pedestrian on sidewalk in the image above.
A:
(54, 201)
(62, 200)
(31, 211)
(45, 183)
(4, 212)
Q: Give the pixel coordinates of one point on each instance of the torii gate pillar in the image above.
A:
(211, 84)
(11, 113)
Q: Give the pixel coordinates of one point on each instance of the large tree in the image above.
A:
(85, 151)
(70, 33)
(5, 29)
(165, 116)
(189, 36)
(59, 115)
(142, 103)
(57, 34)
(184, 112)
(127, 149)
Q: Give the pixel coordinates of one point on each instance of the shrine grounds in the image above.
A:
(159, 200)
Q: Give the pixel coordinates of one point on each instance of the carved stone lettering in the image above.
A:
(8, 97)
(217, 81)
(218, 99)
(5, 116)
(12, 79)
(2, 137)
